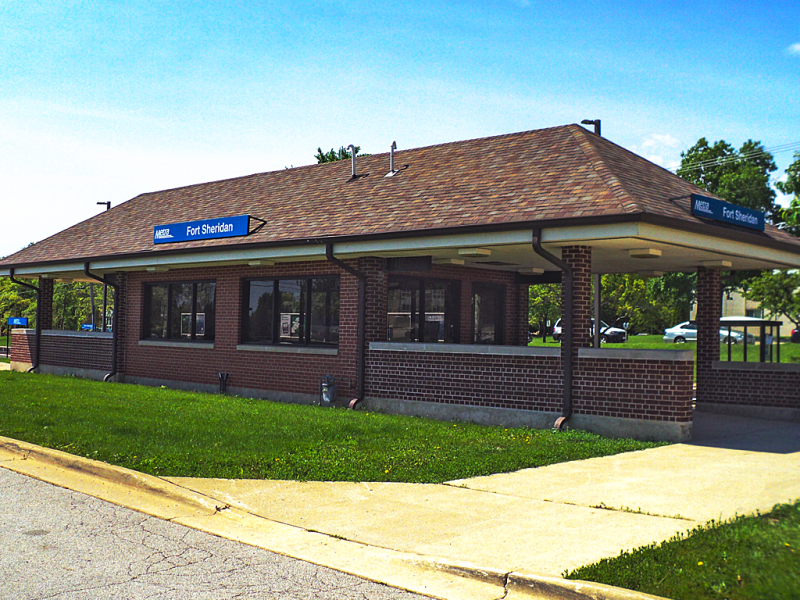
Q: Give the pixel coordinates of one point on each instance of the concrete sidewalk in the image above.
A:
(484, 537)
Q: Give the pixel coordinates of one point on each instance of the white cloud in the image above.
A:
(793, 49)
(660, 140)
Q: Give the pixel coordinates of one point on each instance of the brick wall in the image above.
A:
(275, 371)
(498, 381)
(647, 389)
(658, 390)
(750, 386)
(23, 345)
(76, 351)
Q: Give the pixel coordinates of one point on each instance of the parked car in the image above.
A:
(615, 335)
(687, 332)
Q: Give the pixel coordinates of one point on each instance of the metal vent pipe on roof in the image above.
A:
(392, 148)
(352, 149)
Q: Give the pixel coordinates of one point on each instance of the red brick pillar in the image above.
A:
(709, 311)
(580, 259)
(519, 329)
(46, 299)
(375, 270)
(121, 279)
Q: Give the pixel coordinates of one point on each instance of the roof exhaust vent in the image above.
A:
(352, 149)
(392, 170)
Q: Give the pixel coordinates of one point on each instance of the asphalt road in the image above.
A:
(59, 544)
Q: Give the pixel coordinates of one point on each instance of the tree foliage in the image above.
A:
(738, 176)
(544, 301)
(792, 186)
(777, 292)
(333, 155)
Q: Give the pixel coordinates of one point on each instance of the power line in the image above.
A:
(732, 158)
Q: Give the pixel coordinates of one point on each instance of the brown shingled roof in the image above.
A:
(554, 174)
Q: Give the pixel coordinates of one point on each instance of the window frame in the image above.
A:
(147, 311)
(305, 315)
(452, 317)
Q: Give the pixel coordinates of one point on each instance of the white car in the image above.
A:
(687, 332)
(614, 335)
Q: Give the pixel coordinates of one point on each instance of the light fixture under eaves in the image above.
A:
(480, 252)
(717, 264)
(645, 253)
(261, 263)
(157, 269)
(646, 274)
(532, 271)
(448, 261)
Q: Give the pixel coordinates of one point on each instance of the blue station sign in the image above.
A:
(207, 229)
(717, 210)
(18, 321)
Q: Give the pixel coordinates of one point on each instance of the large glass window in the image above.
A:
(291, 311)
(179, 311)
(422, 310)
(488, 307)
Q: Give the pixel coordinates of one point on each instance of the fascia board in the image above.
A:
(775, 257)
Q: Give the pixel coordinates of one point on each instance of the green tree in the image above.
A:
(792, 186)
(16, 301)
(333, 155)
(738, 176)
(776, 291)
(544, 305)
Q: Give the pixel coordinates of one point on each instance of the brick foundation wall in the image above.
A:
(658, 390)
(647, 389)
(725, 385)
(497, 381)
(60, 349)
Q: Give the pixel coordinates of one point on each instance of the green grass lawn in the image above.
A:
(174, 433)
(750, 558)
(3, 359)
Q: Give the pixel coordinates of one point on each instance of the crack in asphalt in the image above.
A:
(98, 550)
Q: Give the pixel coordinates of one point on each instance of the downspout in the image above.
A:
(361, 351)
(38, 315)
(115, 325)
(566, 323)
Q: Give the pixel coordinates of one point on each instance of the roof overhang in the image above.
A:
(634, 245)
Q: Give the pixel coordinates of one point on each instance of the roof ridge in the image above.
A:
(606, 173)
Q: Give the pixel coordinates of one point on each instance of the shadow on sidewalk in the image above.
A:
(743, 433)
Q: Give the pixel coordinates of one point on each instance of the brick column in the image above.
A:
(375, 270)
(46, 299)
(580, 259)
(121, 279)
(709, 311)
(519, 327)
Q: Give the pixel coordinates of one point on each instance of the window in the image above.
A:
(488, 307)
(179, 311)
(298, 311)
(422, 310)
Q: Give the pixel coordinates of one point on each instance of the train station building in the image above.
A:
(402, 279)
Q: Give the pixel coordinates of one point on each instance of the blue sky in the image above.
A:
(105, 100)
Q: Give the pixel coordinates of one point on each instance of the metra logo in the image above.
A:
(703, 206)
(162, 234)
